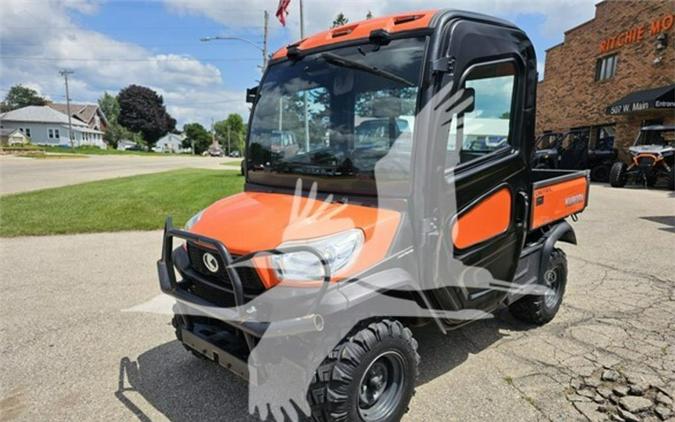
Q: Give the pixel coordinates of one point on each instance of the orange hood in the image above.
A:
(255, 221)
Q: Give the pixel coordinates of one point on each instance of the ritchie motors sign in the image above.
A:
(637, 33)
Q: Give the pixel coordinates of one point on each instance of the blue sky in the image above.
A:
(156, 43)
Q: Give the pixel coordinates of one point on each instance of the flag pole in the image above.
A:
(302, 20)
(302, 36)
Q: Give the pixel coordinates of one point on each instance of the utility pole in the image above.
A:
(213, 134)
(228, 139)
(65, 73)
(265, 40)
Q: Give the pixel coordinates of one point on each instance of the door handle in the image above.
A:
(523, 209)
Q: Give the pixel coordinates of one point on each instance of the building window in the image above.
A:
(56, 133)
(605, 67)
(28, 132)
(51, 133)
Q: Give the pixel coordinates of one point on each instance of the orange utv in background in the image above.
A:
(375, 200)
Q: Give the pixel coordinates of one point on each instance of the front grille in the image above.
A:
(645, 161)
(248, 275)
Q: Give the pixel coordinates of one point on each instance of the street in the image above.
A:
(71, 352)
(19, 174)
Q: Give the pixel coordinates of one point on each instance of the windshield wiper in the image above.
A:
(341, 61)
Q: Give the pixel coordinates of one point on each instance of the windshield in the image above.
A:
(656, 137)
(548, 141)
(331, 118)
(575, 141)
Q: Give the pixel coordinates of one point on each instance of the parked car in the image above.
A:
(134, 147)
(214, 151)
(652, 155)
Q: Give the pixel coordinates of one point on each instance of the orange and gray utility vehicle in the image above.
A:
(389, 158)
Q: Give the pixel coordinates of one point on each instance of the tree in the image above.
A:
(110, 107)
(340, 20)
(196, 137)
(369, 15)
(114, 132)
(233, 128)
(20, 96)
(142, 110)
(505, 115)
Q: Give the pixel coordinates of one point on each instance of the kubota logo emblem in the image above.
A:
(210, 262)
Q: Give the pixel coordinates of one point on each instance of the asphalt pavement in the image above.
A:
(69, 351)
(21, 174)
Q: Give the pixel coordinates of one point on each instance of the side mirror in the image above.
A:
(468, 97)
(251, 94)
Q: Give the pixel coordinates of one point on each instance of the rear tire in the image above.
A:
(617, 175)
(368, 376)
(540, 309)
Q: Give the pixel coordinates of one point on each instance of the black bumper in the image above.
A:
(241, 316)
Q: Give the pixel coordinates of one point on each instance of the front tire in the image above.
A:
(617, 175)
(540, 309)
(671, 180)
(369, 376)
(600, 173)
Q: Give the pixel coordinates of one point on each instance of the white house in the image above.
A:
(124, 144)
(171, 142)
(46, 126)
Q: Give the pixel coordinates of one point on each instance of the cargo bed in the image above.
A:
(557, 194)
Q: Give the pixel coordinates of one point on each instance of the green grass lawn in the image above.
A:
(127, 203)
(91, 150)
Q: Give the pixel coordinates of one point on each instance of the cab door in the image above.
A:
(482, 114)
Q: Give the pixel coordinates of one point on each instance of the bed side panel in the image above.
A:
(555, 201)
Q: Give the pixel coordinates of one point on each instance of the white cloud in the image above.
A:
(559, 15)
(39, 38)
(33, 58)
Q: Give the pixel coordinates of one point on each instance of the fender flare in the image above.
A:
(563, 232)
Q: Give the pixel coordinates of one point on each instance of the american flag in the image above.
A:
(282, 11)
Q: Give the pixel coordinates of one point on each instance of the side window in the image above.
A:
(604, 138)
(486, 127)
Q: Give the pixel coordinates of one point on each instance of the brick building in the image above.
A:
(612, 74)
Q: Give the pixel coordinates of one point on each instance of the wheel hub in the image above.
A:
(381, 387)
(374, 383)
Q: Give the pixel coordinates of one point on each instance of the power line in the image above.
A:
(81, 59)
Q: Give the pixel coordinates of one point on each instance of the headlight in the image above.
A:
(337, 250)
(193, 220)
